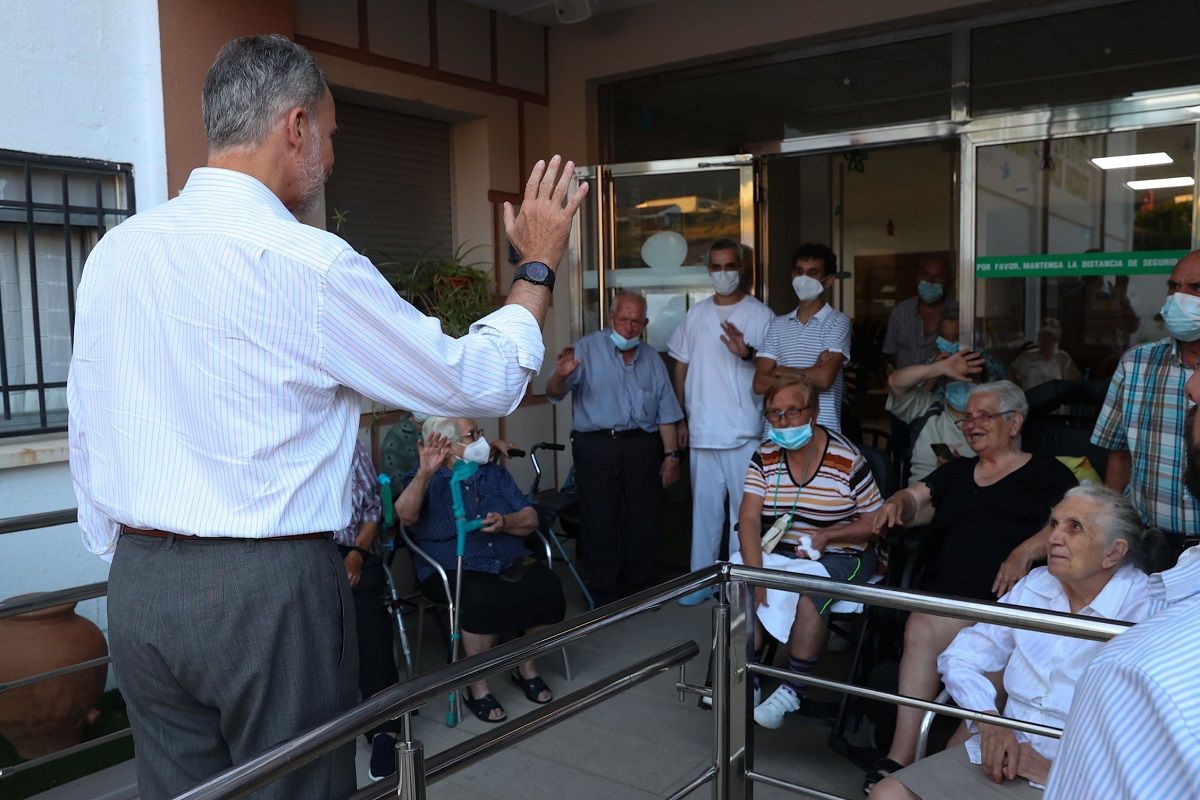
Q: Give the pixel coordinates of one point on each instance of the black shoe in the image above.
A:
(383, 757)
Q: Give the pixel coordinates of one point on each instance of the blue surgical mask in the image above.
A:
(1181, 313)
(930, 292)
(946, 346)
(621, 342)
(956, 395)
(791, 438)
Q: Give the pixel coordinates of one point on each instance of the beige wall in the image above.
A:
(191, 35)
(673, 32)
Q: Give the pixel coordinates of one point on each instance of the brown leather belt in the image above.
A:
(187, 537)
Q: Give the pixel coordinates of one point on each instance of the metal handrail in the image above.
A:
(391, 703)
(36, 602)
(732, 613)
(464, 754)
(45, 519)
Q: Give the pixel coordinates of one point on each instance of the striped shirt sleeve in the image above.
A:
(756, 482)
(1109, 432)
(867, 497)
(378, 344)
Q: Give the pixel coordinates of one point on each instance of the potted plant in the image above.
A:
(444, 283)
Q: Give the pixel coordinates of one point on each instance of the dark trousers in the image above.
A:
(620, 494)
(225, 649)
(376, 655)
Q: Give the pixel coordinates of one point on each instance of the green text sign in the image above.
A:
(1147, 262)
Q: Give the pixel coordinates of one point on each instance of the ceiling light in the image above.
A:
(1135, 160)
(1162, 183)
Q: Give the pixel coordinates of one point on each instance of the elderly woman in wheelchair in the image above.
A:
(503, 588)
(1096, 557)
(806, 507)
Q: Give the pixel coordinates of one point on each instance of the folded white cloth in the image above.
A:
(779, 613)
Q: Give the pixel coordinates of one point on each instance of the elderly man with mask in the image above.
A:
(912, 325)
(624, 444)
(1142, 420)
(222, 346)
(714, 351)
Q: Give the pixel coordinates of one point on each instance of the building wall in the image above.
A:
(80, 80)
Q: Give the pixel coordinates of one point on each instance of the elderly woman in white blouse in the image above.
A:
(1097, 555)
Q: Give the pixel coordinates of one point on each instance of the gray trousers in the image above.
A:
(225, 649)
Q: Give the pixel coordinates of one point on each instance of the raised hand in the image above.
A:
(733, 339)
(433, 451)
(565, 364)
(962, 366)
(540, 231)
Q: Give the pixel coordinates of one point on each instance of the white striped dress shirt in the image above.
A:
(220, 349)
(1134, 728)
(1040, 669)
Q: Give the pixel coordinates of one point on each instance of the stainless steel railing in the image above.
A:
(37, 602)
(731, 773)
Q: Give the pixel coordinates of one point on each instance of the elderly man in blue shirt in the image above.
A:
(624, 444)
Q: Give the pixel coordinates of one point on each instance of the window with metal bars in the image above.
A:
(52, 213)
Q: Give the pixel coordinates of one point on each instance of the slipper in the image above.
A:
(532, 687)
(882, 769)
(482, 707)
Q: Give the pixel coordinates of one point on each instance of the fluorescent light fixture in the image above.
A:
(1162, 183)
(1163, 97)
(1135, 160)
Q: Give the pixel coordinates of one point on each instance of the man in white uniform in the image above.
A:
(714, 351)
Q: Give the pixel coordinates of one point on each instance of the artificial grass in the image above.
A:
(39, 779)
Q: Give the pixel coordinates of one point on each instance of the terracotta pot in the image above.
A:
(48, 715)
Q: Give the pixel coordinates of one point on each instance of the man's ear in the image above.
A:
(296, 122)
(828, 280)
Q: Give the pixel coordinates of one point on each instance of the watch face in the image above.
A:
(537, 270)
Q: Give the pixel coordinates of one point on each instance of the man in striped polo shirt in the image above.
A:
(813, 341)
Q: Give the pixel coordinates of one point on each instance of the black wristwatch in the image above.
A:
(673, 453)
(536, 273)
(750, 353)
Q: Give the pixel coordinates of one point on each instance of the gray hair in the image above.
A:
(627, 294)
(443, 425)
(1120, 521)
(727, 244)
(251, 84)
(1008, 396)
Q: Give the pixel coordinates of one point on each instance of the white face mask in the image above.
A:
(725, 281)
(477, 451)
(807, 288)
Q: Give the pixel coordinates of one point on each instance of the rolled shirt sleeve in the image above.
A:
(378, 344)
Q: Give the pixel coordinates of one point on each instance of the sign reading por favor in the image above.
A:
(1057, 265)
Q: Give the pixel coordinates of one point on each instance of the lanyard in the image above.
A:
(779, 475)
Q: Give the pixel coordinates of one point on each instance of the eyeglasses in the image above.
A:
(790, 414)
(472, 435)
(982, 420)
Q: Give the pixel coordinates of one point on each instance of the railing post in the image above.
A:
(720, 692)
(740, 596)
(410, 764)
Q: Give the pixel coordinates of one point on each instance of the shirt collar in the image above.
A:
(1106, 604)
(1180, 581)
(821, 314)
(210, 181)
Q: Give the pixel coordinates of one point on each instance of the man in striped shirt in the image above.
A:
(1134, 727)
(221, 349)
(814, 340)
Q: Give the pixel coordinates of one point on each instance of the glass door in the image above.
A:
(649, 230)
(1074, 238)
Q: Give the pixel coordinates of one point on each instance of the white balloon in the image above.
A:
(664, 250)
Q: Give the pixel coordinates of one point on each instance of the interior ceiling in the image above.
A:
(541, 12)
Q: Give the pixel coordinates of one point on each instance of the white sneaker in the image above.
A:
(706, 701)
(770, 712)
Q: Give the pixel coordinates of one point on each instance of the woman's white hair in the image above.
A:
(443, 425)
(1008, 396)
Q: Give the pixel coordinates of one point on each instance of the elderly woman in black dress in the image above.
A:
(990, 512)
